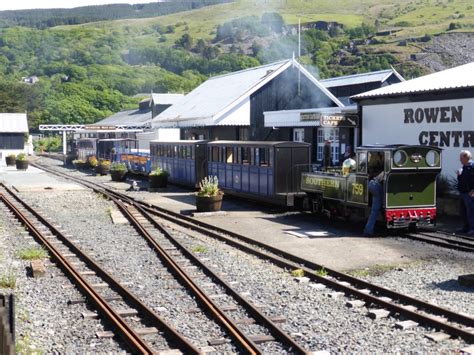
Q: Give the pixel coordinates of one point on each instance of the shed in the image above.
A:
(13, 127)
(435, 109)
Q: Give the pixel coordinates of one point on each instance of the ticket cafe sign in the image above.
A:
(332, 120)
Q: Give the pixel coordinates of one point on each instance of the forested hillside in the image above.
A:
(86, 72)
(42, 18)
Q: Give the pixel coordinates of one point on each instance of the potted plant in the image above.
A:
(79, 163)
(21, 162)
(158, 178)
(209, 197)
(92, 161)
(10, 159)
(103, 167)
(118, 171)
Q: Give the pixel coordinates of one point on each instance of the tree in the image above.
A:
(186, 41)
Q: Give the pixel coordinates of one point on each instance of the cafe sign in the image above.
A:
(333, 120)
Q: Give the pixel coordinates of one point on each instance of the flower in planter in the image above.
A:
(93, 162)
(11, 156)
(104, 163)
(21, 157)
(159, 172)
(209, 186)
(118, 166)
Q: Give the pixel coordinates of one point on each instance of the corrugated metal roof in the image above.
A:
(166, 99)
(127, 118)
(455, 78)
(220, 94)
(375, 76)
(13, 123)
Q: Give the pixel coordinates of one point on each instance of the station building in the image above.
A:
(280, 101)
(13, 127)
(435, 109)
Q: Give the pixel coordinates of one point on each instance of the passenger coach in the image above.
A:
(267, 171)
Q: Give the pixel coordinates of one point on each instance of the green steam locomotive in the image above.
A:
(409, 185)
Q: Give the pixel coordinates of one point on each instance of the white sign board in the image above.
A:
(447, 124)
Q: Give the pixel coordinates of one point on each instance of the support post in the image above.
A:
(64, 146)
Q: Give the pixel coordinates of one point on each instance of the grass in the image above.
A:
(199, 249)
(321, 272)
(33, 253)
(297, 273)
(24, 345)
(375, 270)
(8, 279)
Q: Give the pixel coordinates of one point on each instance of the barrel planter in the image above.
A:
(21, 164)
(158, 181)
(102, 169)
(10, 160)
(118, 175)
(209, 203)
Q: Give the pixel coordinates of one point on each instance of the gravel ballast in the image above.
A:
(318, 321)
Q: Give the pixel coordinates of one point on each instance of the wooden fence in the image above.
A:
(7, 325)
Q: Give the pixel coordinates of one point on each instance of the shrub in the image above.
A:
(21, 157)
(118, 166)
(158, 171)
(209, 186)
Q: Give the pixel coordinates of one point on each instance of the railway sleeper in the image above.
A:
(121, 312)
(139, 331)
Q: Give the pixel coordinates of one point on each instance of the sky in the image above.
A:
(48, 4)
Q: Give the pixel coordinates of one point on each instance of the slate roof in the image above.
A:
(127, 118)
(461, 77)
(219, 95)
(355, 79)
(13, 123)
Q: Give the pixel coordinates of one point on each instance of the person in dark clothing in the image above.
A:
(348, 154)
(327, 161)
(375, 186)
(466, 190)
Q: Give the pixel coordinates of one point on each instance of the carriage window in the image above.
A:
(256, 160)
(215, 153)
(229, 155)
(187, 152)
(252, 156)
(270, 156)
(245, 155)
(181, 152)
(238, 155)
(362, 162)
(175, 151)
(193, 149)
(263, 154)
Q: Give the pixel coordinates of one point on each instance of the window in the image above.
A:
(215, 154)
(229, 155)
(263, 154)
(298, 135)
(245, 155)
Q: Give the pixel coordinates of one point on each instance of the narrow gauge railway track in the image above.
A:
(146, 225)
(139, 339)
(455, 324)
(443, 239)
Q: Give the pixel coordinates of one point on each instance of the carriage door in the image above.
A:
(333, 135)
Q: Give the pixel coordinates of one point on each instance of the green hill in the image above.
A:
(88, 71)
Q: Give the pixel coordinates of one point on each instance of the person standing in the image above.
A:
(327, 161)
(466, 190)
(375, 186)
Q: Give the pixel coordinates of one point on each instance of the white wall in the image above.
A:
(162, 134)
(453, 130)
